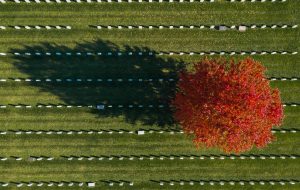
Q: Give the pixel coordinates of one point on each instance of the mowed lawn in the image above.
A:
(134, 80)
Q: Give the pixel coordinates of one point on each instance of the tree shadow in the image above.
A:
(124, 72)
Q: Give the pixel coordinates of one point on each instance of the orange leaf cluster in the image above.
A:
(228, 105)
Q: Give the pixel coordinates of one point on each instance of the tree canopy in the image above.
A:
(228, 104)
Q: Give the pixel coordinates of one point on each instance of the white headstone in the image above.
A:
(242, 28)
(100, 107)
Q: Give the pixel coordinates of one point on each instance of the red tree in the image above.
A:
(228, 105)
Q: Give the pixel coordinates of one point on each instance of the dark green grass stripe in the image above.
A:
(145, 170)
(67, 119)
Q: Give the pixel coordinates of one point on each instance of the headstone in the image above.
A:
(242, 28)
(91, 184)
(17, 27)
(100, 107)
(222, 28)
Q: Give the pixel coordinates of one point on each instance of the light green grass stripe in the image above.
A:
(173, 13)
(57, 145)
(154, 171)
(140, 171)
(167, 40)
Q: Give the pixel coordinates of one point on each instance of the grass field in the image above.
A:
(144, 173)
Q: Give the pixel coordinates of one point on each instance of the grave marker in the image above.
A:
(242, 28)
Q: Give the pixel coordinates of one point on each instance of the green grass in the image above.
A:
(123, 144)
(149, 170)
(67, 119)
(161, 40)
(84, 38)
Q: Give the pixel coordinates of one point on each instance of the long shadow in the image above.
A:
(110, 66)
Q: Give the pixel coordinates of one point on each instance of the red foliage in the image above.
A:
(229, 105)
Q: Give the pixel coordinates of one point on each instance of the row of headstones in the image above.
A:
(179, 157)
(90, 80)
(118, 80)
(221, 182)
(70, 132)
(110, 131)
(31, 158)
(216, 27)
(153, 53)
(284, 79)
(291, 104)
(99, 107)
(102, 107)
(153, 157)
(38, 27)
(64, 183)
(130, 1)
